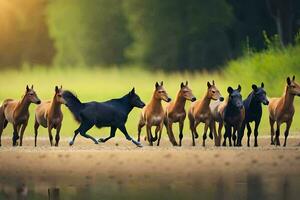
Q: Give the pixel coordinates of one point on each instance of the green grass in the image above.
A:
(272, 67)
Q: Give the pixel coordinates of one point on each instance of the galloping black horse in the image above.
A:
(253, 111)
(112, 113)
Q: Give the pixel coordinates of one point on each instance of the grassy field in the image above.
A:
(102, 84)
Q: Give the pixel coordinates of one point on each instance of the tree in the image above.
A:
(89, 32)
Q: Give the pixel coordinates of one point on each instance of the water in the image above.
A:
(216, 187)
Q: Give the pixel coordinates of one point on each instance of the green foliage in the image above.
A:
(89, 32)
(178, 34)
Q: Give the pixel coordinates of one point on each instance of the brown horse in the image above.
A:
(153, 114)
(200, 111)
(17, 113)
(48, 114)
(281, 110)
(175, 112)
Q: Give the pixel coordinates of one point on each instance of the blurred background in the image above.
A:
(102, 48)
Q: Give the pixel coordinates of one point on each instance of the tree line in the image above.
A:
(169, 34)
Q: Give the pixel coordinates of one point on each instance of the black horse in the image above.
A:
(112, 113)
(253, 111)
(233, 115)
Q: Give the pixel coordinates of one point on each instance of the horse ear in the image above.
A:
(56, 89)
(213, 82)
(229, 90)
(27, 88)
(288, 81)
(31, 86)
(208, 84)
(239, 88)
(161, 83)
(294, 77)
(254, 87)
(132, 91)
(186, 83)
(181, 85)
(262, 84)
(156, 85)
(60, 86)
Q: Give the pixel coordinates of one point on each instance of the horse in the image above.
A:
(153, 114)
(281, 110)
(216, 117)
(253, 112)
(17, 113)
(49, 115)
(112, 113)
(175, 112)
(233, 114)
(200, 111)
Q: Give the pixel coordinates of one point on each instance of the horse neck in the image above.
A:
(253, 102)
(231, 108)
(22, 107)
(288, 99)
(126, 102)
(55, 106)
(179, 102)
(205, 101)
(155, 103)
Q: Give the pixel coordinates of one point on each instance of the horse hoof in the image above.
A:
(211, 136)
(139, 144)
(96, 142)
(101, 140)
(71, 143)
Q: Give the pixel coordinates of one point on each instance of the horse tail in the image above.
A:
(73, 104)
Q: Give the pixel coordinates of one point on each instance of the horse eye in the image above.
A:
(213, 92)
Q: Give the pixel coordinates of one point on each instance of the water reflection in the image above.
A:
(251, 187)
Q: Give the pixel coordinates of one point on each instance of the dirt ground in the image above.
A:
(120, 158)
(118, 169)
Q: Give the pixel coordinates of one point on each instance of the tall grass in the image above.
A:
(271, 67)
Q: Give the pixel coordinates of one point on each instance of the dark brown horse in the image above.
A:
(153, 114)
(49, 115)
(281, 110)
(175, 112)
(17, 113)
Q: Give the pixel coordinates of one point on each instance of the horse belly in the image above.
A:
(156, 120)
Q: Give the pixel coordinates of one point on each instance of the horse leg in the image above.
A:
(140, 126)
(84, 128)
(226, 134)
(234, 137)
(277, 141)
(191, 120)
(256, 132)
(22, 132)
(50, 134)
(212, 128)
(149, 134)
(205, 132)
(272, 130)
(124, 131)
(287, 130)
(220, 132)
(241, 134)
(57, 137)
(181, 124)
(36, 127)
(15, 135)
(112, 134)
(170, 133)
(229, 136)
(1, 127)
(160, 132)
(75, 135)
(249, 131)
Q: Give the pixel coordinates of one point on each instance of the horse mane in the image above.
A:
(73, 103)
